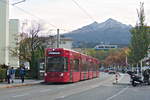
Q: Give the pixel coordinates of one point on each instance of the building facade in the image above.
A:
(13, 39)
(105, 47)
(51, 42)
(64, 43)
(4, 32)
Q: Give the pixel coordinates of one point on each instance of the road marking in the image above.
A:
(62, 87)
(110, 98)
(61, 97)
(21, 95)
(122, 76)
(45, 90)
(84, 88)
(107, 85)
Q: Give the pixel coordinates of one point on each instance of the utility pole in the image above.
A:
(58, 39)
(141, 64)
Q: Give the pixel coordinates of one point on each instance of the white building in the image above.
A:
(105, 47)
(13, 39)
(51, 42)
(4, 32)
(64, 43)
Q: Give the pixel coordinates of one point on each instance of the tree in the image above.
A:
(116, 57)
(30, 47)
(139, 39)
(112, 57)
(99, 54)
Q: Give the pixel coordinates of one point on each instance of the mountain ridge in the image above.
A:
(110, 31)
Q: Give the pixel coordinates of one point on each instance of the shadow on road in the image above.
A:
(122, 84)
(56, 83)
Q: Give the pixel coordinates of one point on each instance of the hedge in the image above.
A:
(2, 74)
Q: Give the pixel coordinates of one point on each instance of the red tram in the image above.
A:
(64, 65)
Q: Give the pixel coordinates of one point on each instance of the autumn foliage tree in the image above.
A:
(117, 58)
(30, 48)
(112, 57)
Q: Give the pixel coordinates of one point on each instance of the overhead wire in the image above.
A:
(18, 2)
(34, 16)
(4, 2)
(83, 10)
(40, 18)
(31, 14)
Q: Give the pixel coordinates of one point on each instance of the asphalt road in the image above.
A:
(95, 89)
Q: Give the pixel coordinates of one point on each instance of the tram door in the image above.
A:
(71, 70)
(41, 68)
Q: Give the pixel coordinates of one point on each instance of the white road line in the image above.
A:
(122, 76)
(110, 98)
(21, 95)
(45, 90)
(72, 85)
(61, 97)
(62, 87)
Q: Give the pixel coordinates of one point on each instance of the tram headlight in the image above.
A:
(62, 74)
(45, 74)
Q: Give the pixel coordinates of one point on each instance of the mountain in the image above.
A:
(111, 31)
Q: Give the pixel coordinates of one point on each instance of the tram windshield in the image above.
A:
(56, 64)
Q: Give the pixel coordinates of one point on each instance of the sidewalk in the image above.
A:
(124, 79)
(17, 83)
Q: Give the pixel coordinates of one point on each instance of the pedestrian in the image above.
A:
(12, 74)
(8, 75)
(22, 74)
(146, 75)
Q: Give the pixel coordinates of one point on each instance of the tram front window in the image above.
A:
(56, 64)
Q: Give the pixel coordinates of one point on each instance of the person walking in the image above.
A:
(8, 75)
(12, 74)
(22, 74)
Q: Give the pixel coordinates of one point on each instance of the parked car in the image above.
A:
(101, 69)
(111, 72)
(106, 70)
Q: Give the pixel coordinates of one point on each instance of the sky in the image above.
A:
(66, 15)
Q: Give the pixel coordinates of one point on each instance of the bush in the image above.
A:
(4, 66)
(2, 74)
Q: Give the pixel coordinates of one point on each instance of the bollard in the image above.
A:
(116, 78)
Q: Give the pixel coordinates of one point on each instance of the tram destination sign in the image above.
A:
(53, 53)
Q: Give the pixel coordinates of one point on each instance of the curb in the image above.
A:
(19, 85)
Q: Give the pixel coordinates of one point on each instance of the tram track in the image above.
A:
(57, 91)
(84, 87)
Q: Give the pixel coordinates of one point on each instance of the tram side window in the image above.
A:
(94, 67)
(65, 64)
(76, 65)
(71, 64)
(85, 66)
(91, 66)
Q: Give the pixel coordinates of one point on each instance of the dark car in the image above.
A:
(106, 70)
(111, 72)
